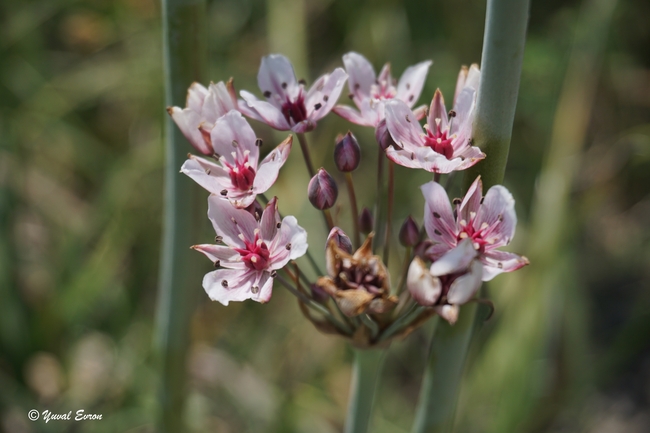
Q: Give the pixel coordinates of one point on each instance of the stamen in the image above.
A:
(241, 236)
(258, 142)
(234, 143)
(317, 106)
(436, 231)
(278, 225)
(500, 265)
(224, 192)
(463, 223)
(267, 94)
(274, 274)
(452, 113)
(288, 246)
(463, 235)
(326, 98)
(436, 214)
(224, 283)
(408, 119)
(207, 171)
(284, 85)
(472, 215)
(218, 239)
(255, 290)
(217, 263)
(302, 81)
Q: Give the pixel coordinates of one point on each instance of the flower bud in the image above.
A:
(340, 239)
(322, 190)
(347, 152)
(383, 137)
(409, 234)
(365, 221)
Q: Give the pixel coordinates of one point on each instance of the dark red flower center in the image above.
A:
(383, 90)
(255, 255)
(440, 142)
(295, 110)
(241, 173)
(480, 237)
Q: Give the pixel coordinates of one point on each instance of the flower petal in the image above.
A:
(289, 244)
(472, 200)
(351, 115)
(209, 175)
(402, 124)
(269, 221)
(196, 96)
(411, 83)
(262, 111)
(322, 96)
(424, 287)
(438, 217)
(498, 213)
(217, 102)
(454, 260)
(270, 166)
(361, 74)
(232, 137)
(188, 122)
(276, 75)
(496, 262)
(465, 287)
(437, 111)
(448, 312)
(226, 256)
(229, 222)
(225, 285)
(265, 285)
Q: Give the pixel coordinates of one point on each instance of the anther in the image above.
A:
(217, 263)
(436, 214)
(267, 94)
(357, 86)
(412, 156)
(482, 198)
(500, 265)
(408, 119)
(255, 290)
(452, 113)
(218, 239)
(326, 98)
(224, 192)
(302, 81)
(274, 274)
(456, 201)
(258, 142)
(234, 143)
(207, 171)
(224, 283)
(284, 85)
(288, 246)
(411, 98)
(436, 231)
(408, 86)
(350, 95)
(278, 225)
(317, 106)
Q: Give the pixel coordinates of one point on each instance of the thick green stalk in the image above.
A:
(503, 50)
(183, 50)
(365, 374)
(439, 392)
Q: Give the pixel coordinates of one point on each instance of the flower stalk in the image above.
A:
(366, 368)
(355, 209)
(503, 49)
(184, 52)
(304, 147)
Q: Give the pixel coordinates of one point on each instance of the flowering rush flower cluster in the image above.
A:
(444, 264)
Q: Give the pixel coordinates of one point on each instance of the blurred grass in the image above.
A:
(81, 113)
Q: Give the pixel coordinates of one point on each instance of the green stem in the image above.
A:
(503, 50)
(365, 374)
(389, 210)
(379, 208)
(439, 392)
(355, 209)
(305, 153)
(184, 53)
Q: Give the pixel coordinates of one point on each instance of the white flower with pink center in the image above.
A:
(445, 143)
(488, 222)
(204, 107)
(239, 176)
(288, 106)
(250, 251)
(369, 92)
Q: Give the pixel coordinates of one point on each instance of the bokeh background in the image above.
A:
(81, 163)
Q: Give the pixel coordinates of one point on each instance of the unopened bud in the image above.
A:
(340, 239)
(365, 221)
(409, 234)
(383, 137)
(347, 152)
(322, 190)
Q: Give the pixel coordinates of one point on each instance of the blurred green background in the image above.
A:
(81, 158)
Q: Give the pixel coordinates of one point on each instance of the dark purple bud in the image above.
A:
(421, 249)
(365, 221)
(347, 152)
(383, 137)
(322, 190)
(341, 239)
(409, 234)
(319, 294)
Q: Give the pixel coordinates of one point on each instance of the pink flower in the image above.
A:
(287, 105)
(452, 280)
(204, 107)
(488, 222)
(370, 93)
(238, 176)
(251, 253)
(445, 143)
